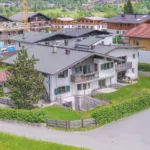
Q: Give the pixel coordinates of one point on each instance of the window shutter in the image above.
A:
(89, 68)
(102, 66)
(56, 91)
(68, 88)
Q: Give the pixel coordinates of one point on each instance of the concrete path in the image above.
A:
(131, 133)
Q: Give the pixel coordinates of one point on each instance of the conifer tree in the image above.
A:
(25, 82)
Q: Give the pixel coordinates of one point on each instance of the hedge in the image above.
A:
(33, 116)
(117, 111)
(144, 67)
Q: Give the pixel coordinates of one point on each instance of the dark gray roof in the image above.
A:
(126, 18)
(2, 19)
(49, 62)
(32, 37)
(53, 63)
(77, 32)
(90, 41)
(106, 49)
(19, 16)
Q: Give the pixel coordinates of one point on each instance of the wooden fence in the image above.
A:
(71, 124)
(6, 101)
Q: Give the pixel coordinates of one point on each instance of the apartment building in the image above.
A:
(124, 22)
(8, 29)
(60, 23)
(37, 21)
(96, 23)
(82, 68)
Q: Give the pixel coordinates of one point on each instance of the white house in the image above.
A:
(64, 22)
(78, 70)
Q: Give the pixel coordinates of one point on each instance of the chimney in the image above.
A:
(122, 15)
(66, 42)
(92, 47)
(67, 51)
(54, 49)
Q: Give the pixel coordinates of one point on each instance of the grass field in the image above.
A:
(11, 142)
(60, 11)
(129, 91)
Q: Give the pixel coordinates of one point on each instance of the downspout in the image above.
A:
(49, 88)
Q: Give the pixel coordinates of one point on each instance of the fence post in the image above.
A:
(66, 124)
(46, 122)
(56, 122)
(82, 123)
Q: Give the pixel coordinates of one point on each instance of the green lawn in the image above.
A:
(128, 92)
(11, 142)
(60, 11)
(61, 113)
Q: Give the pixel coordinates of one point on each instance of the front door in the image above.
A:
(102, 83)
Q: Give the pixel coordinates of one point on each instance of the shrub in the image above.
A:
(117, 111)
(144, 67)
(34, 116)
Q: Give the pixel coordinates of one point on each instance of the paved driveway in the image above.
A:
(131, 133)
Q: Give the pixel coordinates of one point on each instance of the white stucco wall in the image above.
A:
(129, 53)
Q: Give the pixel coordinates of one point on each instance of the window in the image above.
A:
(62, 90)
(138, 54)
(19, 44)
(63, 74)
(95, 67)
(102, 66)
(107, 66)
(136, 42)
(117, 32)
(84, 86)
(78, 69)
(133, 56)
(133, 70)
(88, 85)
(112, 64)
(79, 87)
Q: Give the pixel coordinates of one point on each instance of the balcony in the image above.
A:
(123, 66)
(84, 77)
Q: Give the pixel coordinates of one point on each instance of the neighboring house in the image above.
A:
(8, 29)
(139, 36)
(124, 22)
(30, 38)
(60, 23)
(91, 22)
(81, 69)
(36, 20)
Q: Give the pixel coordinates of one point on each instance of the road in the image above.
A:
(131, 133)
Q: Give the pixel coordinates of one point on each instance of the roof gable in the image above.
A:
(126, 18)
(140, 31)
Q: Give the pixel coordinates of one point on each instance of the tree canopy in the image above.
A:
(128, 8)
(25, 82)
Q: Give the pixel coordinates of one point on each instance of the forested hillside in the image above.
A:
(72, 8)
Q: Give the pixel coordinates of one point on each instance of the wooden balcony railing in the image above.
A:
(84, 77)
(123, 66)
